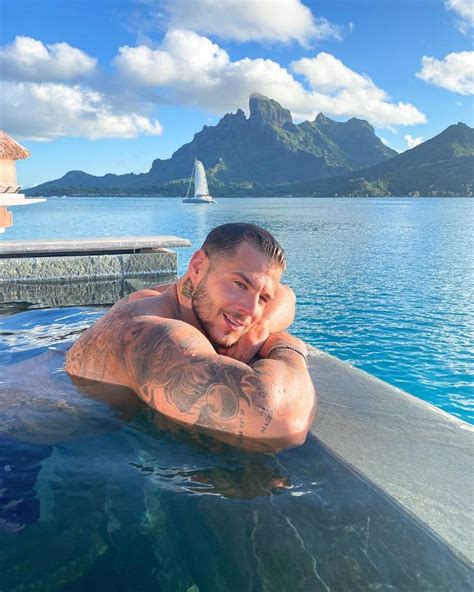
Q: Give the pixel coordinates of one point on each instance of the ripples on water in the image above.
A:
(386, 284)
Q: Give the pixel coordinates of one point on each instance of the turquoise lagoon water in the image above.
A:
(385, 284)
(98, 492)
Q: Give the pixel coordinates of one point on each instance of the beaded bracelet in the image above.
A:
(284, 346)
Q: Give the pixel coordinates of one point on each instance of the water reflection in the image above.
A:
(218, 469)
(17, 296)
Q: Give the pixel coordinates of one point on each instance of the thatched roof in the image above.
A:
(11, 150)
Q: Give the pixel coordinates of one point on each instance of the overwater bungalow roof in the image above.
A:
(10, 149)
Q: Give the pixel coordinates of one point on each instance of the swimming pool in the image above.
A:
(101, 493)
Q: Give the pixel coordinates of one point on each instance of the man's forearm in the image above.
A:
(292, 371)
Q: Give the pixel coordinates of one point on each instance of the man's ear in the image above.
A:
(198, 266)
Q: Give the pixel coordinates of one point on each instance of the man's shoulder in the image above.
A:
(150, 330)
(157, 315)
(158, 305)
(139, 328)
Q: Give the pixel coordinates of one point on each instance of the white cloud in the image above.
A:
(455, 72)
(49, 110)
(412, 142)
(465, 11)
(250, 20)
(338, 90)
(190, 69)
(328, 74)
(184, 57)
(28, 59)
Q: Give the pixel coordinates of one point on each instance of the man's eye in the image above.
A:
(241, 285)
(263, 299)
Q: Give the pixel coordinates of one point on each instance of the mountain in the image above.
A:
(442, 166)
(243, 154)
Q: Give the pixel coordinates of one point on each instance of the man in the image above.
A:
(209, 351)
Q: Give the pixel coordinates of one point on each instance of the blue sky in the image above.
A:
(110, 85)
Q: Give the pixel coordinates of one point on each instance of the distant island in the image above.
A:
(267, 154)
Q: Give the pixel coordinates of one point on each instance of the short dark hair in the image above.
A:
(226, 239)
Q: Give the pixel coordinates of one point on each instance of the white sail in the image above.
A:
(200, 181)
(201, 190)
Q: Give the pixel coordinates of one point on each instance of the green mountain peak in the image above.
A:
(267, 154)
(265, 111)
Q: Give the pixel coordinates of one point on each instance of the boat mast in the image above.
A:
(191, 178)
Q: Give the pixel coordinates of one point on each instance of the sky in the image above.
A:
(107, 86)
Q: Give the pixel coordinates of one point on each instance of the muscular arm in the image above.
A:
(175, 370)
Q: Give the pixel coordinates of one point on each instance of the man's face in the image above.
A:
(231, 298)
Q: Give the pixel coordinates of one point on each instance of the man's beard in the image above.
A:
(203, 306)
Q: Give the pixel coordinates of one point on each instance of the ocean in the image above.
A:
(384, 284)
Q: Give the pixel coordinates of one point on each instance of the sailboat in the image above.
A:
(201, 190)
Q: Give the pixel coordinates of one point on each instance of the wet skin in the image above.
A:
(188, 352)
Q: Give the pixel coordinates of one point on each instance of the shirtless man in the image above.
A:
(210, 350)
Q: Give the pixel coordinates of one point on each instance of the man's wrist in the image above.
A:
(285, 347)
(278, 342)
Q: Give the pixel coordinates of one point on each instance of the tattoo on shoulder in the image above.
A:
(88, 356)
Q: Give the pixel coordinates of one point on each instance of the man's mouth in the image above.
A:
(233, 322)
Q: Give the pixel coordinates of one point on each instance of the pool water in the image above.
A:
(98, 492)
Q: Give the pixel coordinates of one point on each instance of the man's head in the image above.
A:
(224, 241)
(234, 276)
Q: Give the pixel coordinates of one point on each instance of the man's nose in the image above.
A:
(249, 304)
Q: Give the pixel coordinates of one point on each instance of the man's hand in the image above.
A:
(248, 345)
(278, 316)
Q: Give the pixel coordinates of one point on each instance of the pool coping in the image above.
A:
(417, 454)
(80, 259)
(89, 245)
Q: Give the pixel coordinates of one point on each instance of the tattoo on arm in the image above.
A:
(214, 393)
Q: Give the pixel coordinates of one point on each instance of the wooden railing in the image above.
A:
(9, 188)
